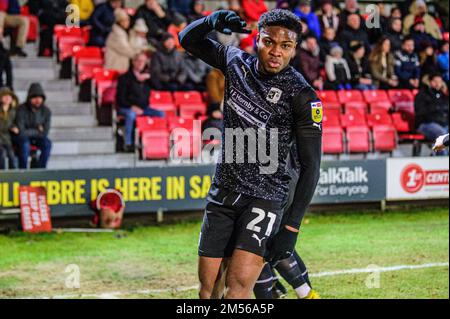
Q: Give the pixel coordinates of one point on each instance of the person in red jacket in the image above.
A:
(253, 9)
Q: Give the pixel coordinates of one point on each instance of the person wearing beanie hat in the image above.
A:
(8, 104)
(138, 37)
(197, 10)
(33, 121)
(303, 11)
(338, 72)
(421, 38)
(119, 49)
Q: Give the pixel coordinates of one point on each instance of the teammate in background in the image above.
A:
(242, 222)
(441, 143)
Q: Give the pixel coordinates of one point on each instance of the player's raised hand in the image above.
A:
(227, 22)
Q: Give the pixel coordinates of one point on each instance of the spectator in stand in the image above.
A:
(382, 64)
(353, 31)
(303, 10)
(235, 38)
(248, 45)
(156, 18)
(102, 20)
(178, 25)
(253, 10)
(428, 63)
(442, 60)
(33, 120)
(183, 7)
(50, 13)
(419, 9)
(167, 67)
(420, 37)
(396, 13)
(196, 72)
(350, 7)
(407, 65)
(5, 66)
(327, 41)
(198, 7)
(307, 61)
(287, 4)
(8, 104)
(10, 18)
(431, 109)
(86, 8)
(138, 37)
(338, 72)
(361, 79)
(215, 86)
(132, 97)
(119, 50)
(328, 16)
(395, 34)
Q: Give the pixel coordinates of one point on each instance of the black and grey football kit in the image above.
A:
(245, 202)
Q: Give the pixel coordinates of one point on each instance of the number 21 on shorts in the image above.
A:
(261, 216)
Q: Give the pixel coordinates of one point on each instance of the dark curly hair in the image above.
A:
(281, 18)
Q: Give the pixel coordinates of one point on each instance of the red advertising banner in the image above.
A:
(35, 212)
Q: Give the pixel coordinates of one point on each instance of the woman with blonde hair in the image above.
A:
(8, 104)
(382, 65)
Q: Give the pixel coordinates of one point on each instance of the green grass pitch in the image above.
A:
(155, 262)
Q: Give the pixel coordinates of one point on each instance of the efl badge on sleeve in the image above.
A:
(316, 112)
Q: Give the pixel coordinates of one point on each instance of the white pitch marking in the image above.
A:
(116, 294)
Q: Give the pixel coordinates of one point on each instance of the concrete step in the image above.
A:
(52, 96)
(82, 134)
(32, 62)
(91, 161)
(48, 85)
(83, 147)
(35, 74)
(71, 110)
(63, 121)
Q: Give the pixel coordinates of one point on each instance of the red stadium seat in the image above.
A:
(145, 123)
(332, 140)
(60, 31)
(86, 54)
(85, 71)
(404, 124)
(353, 120)
(379, 119)
(358, 140)
(187, 97)
(356, 107)
(380, 107)
(101, 74)
(192, 110)
(66, 45)
(105, 82)
(372, 96)
(155, 144)
(187, 139)
(328, 96)
(346, 96)
(384, 138)
(163, 101)
(331, 120)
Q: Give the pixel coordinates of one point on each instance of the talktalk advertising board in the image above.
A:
(417, 178)
(35, 213)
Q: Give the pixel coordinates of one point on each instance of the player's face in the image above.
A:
(276, 48)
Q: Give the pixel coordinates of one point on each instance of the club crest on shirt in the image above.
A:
(316, 112)
(274, 95)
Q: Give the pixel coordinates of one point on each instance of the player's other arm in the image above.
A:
(308, 133)
(194, 38)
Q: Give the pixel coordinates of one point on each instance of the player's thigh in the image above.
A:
(243, 270)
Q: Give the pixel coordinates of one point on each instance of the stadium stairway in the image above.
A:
(78, 142)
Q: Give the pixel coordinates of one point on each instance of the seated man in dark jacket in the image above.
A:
(431, 107)
(132, 99)
(102, 20)
(33, 120)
